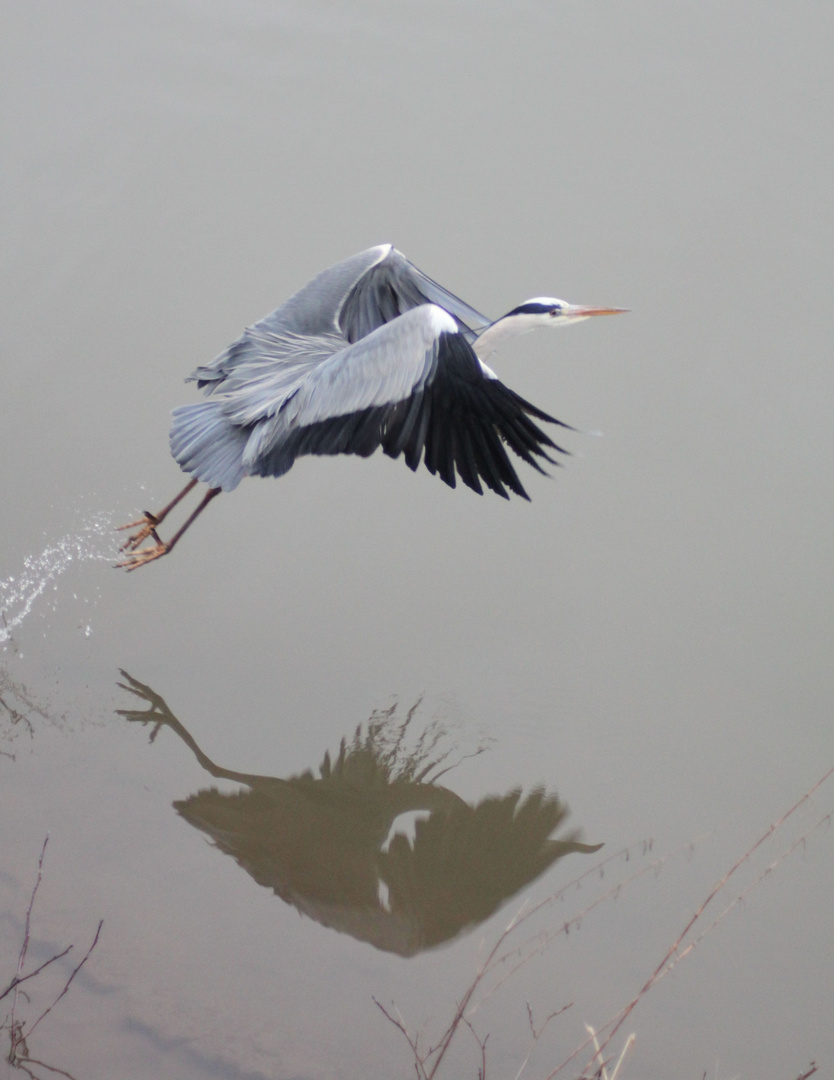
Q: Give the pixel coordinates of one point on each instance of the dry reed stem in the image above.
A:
(18, 1032)
(24, 948)
(427, 1070)
(68, 983)
(602, 1071)
(539, 941)
(542, 938)
(656, 974)
(669, 959)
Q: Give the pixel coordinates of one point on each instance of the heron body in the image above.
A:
(371, 353)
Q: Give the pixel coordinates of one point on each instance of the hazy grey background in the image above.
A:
(651, 636)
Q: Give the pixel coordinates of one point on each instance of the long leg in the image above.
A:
(148, 522)
(146, 555)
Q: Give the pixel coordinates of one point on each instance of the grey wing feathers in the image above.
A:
(261, 403)
(458, 422)
(349, 299)
(393, 286)
(383, 368)
(311, 312)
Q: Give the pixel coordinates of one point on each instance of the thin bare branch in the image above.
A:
(482, 1044)
(43, 1065)
(24, 948)
(75, 971)
(742, 896)
(537, 1034)
(23, 978)
(532, 946)
(399, 1024)
(673, 955)
(716, 889)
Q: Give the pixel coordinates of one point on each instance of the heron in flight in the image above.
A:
(370, 353)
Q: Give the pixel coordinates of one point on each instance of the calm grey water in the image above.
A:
(641, 657)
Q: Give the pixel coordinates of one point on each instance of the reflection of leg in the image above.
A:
(146, 555)
(159, 714)
(148, 522)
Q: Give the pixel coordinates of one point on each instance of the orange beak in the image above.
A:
(584, 312)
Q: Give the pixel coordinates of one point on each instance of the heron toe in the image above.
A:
(146, 525)
(145, 555)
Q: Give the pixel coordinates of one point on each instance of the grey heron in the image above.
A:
(370, 353)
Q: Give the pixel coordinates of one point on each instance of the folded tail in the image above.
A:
(206, 445)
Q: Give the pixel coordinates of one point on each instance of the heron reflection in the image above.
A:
(323, 841)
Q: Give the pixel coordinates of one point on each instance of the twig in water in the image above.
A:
(68, 983)
(427, 1064)
(24, 948)
(17, 981)
(537, 1034)
(659, 970)
(482, 1043)
(419, 1062)
(602, 1071)
(19, 1032)
(672, 955)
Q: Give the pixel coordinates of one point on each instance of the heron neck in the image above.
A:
(502, 330)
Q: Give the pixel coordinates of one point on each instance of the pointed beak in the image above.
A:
(577, 311)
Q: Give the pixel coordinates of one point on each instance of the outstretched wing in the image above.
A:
(347, 301)
(253, 422)
(415, 387)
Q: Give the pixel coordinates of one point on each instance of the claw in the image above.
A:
(147, 527)
(146, 555)
(146, 517)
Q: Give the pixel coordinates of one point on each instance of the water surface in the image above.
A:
(640, 657)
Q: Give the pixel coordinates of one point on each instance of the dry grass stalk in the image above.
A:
(19, 1031)
(670, 957)
(427, 1063)
(602, 1065)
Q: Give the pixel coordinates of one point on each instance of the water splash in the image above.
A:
(93, 540)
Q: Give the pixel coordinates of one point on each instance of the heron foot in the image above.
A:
(136, 559)
(147, 527)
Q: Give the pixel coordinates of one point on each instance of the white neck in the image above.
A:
(509, 327)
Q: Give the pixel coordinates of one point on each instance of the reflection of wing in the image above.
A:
(465, 863)
(318, 845)
(315, 843)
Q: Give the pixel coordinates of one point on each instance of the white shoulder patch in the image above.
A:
(441, 321)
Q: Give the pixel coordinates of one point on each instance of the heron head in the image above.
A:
(540, 311)
(548, 311)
